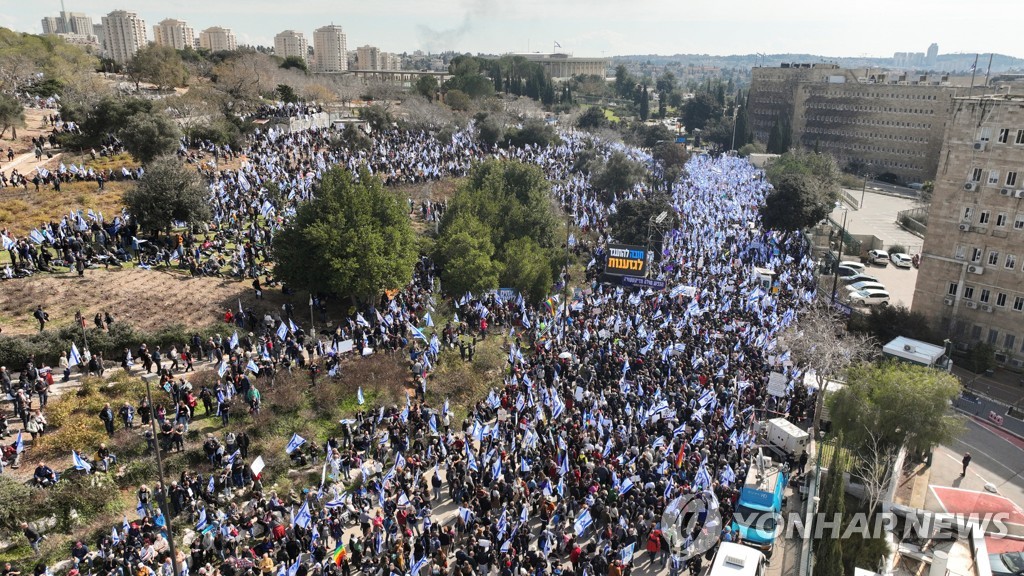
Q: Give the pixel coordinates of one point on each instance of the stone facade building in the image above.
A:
(971, 281)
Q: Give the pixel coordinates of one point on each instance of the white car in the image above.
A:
(846, 271)
(869, 297)
(851, 264)
(865, 285)
(901, 260)
(879, 257)
(860, 278)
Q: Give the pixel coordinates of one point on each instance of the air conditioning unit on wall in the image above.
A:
(965, 227)
(970, 186)
(948, 301)
(976, 269)
(1006, 192)
(986, 308)
(971, 305)
(980, 145)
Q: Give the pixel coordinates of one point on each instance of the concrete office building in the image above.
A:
(566, 66)
(971, 281)
(933, 56)
(174, 33)
(880, 123)
(330, 48)
(68, 23)
(291, 43)
(217, 39)
(123, 34)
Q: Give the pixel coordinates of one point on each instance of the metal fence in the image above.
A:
(914, 220)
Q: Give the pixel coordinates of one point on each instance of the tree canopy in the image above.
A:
(806, 188)
(158, 65)
(618, 176)
(901, 404)
(353, 239)
(12, 115)
(149, 135)
(630, 221)
(168, 192)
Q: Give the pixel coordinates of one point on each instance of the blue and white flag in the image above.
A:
(359, 396)
(115, 538)
(418, 565)
(233, 342)
(19, 444)
(302, 517)
(201, 524)
(427, 320)
(282, 331)
(728, 476)
(626, 486)
(627, 553)
(293, 570)
(292, 326)
(294, 443)
(74, 358)
(703, 478)
(80, 464)
(252, 366)
(416, 333)
(211, 487)
(222, 369)
(466, 514)
(583, 521)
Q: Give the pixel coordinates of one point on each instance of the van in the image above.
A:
(757, 519)
(733, 559)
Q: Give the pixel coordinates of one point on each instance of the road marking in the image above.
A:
(983, 453)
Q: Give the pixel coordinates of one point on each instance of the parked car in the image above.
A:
(1007, 563)
(844, 271)
(859, 278)
(851, 264)
(901, 260)
(869, 297)
(878, 257)
(865, 285)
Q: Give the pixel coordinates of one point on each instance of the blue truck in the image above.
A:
(757, 520)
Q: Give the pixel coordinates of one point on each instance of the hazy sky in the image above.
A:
(592, 27)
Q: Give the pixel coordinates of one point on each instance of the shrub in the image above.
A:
(84, 494)
(14, 502)
(896, 248)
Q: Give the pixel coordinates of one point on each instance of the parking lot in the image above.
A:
(899, 282)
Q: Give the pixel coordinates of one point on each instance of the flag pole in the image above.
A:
(163, 493)
(989, 71)
(974, 70)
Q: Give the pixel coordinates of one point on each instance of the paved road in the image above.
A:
(996, 458)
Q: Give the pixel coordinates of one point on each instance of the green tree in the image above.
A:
(828, 550)
(287, 94)
(806, 189)
(618, 176)
(980, 357)
(527, 268)
(12, 115)
(465, 252)
(645, 104)
(631, 222)
(780, 139)
(168, 192)
(107, 117)
(623, 82)
(457, 99)
(294, 62)
(534, 132)
(884, 323)
(489, 129)
(426, 86)
(158, 65)
(353, 239)
(15, 502)
(592, 118)
(672, 157)
(901, 404)
(377, 116)
(699, 110)
(148, 136)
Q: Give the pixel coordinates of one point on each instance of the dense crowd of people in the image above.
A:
(616, 402)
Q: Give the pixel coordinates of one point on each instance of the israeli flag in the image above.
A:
(201, 524)
(466, 514)
(728, 476)
(359, 396)
(293, 570)
(302, 517)
(627, 553)
(74, 359)
(80, 464)
(583, 521)
(282, 331)
(433, 424)
(445, 409)
(223, 368)
(292, 326)
(211, 487)
(626, 486)
(702, 479)
(233, 342)
(294, 443)
(428, 321)
(471, 460)
(114, 536)
(416, 567)
(698, 437)
(416, 333)
(496, 469)
(19, 445)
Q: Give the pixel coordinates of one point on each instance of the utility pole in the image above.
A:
(839, 257)
(163, 483)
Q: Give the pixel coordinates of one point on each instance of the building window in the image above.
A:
(961, 252)
(1004, 135)
(952, 289)
(1020, 137)
(1001, 300)
(976, 255)
(985, 295)
(1008, 341)
(993, 335)
(1011, 178)
(993, 177)
(1011, 262)
(1001, 220)
(975, 332)
(976, 175)
(984, 216)
(1018, 303)
(993, 258)
(968, 292)
(1018, 223)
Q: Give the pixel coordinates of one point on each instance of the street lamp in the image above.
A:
(839, 257)
(864, 186)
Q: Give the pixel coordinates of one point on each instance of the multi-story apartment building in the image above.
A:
(123, 34)
(174, 33)
(291, 43)
(217, 39)
(878, 123)
(971, 280)
(368, 58)
(330, 48)
(68, 23)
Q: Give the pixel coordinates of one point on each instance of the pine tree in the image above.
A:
(645, 104)
(828, 554)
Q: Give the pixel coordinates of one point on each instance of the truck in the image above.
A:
(733, 559)
(757, 520)
(786, 436)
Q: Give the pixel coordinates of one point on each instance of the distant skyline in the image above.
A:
(872, 28)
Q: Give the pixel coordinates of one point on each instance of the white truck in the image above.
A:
(786, 436)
